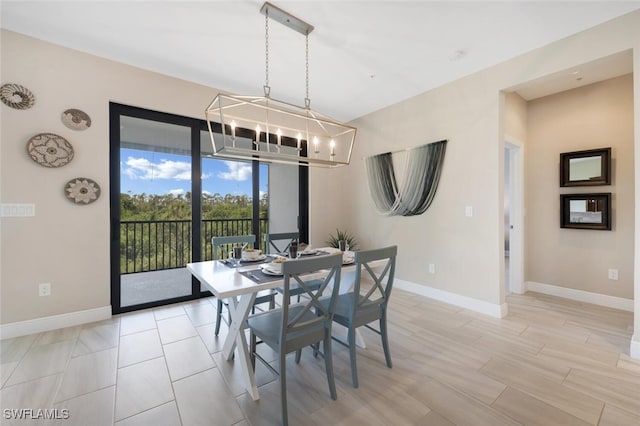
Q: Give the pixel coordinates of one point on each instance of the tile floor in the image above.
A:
(549, 362)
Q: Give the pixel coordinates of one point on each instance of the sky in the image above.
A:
(160, 173)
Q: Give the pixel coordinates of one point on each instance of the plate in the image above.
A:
(50, 150)
(308, 253)
(16, 96)
(268, 271)
(82, 191)
(257, 259)
(348, 261)
(76, 119)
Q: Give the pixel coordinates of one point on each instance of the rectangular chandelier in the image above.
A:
(263, 128)
(266, 129)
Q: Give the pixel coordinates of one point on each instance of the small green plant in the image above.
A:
(342, 235)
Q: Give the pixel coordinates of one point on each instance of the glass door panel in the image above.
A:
(284, 196)
(228, 194)
(155, 211)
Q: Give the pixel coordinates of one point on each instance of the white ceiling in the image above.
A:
(364, 55)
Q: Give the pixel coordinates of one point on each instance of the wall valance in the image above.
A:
(422, 169)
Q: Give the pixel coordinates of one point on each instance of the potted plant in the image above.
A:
(352, 242)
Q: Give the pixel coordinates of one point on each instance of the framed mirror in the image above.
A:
(586, 168)
(586, 211)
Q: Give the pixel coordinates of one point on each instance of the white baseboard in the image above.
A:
(634, 351)
(581, 296)
(38, 325)
(491, 309)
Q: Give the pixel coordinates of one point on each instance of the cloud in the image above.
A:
(237, 171)
(176, 192)
(142, 168)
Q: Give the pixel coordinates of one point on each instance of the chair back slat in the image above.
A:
(294, 272)
(382, 281)
(280, 242)
(222, 244)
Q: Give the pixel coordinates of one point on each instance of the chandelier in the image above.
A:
(266, 129)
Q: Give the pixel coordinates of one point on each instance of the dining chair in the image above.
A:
(221, 247)
(279, 243)
(296, 325)
(364, 305)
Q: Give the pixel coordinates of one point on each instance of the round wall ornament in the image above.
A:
(76, 119)
(50, 150)
(82, 190)
(16, 96)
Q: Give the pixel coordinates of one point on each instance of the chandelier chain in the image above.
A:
(267, 89)
(307, 100)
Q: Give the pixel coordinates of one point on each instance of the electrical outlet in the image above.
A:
(613, 274)
(432, 268)
(468, 211)
(44, 289)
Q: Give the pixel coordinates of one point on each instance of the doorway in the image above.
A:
(513, 218)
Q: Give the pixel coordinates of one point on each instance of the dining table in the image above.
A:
(238, 283)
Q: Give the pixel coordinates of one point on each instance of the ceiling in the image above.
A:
(364, 55)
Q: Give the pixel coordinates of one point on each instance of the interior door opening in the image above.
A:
(513, 218)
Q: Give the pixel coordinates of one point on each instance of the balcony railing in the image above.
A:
(152, 245)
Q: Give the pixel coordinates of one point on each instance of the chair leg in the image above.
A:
(252, 350)
(328, 364)
(352, 355)
(218, 317)
(385, 339)
(298, 355)
(283, 388)
(272, 302)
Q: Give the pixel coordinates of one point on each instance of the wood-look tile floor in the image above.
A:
(549, 362)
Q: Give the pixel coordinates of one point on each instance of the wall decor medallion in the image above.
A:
(82, 190)
(17, 96)
(76, 119)
(50, 150)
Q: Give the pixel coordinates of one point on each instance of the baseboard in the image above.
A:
(491, 309)
(581, 296)
(38, 325)
(634, 351)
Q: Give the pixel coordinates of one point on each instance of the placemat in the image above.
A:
(231, 264)
(259, 277)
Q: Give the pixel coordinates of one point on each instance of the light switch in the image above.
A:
(18, 210)
(468, 211)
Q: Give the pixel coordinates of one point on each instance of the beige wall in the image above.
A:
(470, 113)
(515, 118)
(53, 246)
(595, 116)
(65, 244)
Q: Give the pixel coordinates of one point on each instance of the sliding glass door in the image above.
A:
(169, 196)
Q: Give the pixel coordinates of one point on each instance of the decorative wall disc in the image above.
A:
(50, 150)
(76, 119)
(16, 96)
(82, 191)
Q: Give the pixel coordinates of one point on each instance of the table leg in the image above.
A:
(239, 311)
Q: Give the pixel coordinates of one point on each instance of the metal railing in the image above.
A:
(153, 245)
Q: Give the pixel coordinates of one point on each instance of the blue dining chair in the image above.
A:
(365, 305)
(279, 243)
(221, 247)
(296, 325)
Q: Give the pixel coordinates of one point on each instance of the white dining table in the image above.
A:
(228, 283)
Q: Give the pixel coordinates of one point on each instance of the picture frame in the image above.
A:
(586, 168)
(586, 211)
